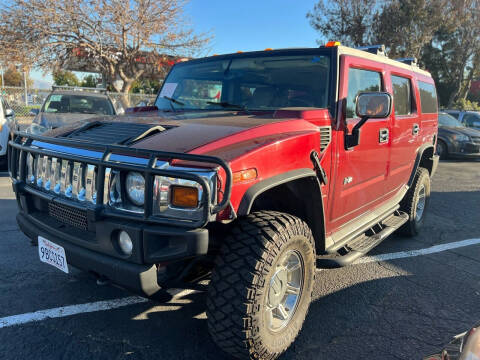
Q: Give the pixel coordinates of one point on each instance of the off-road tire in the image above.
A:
(410, 201)
(240, 280)
(442, 150)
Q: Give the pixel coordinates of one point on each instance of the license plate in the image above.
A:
(52, 254)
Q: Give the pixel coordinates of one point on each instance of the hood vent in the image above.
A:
(114, 133)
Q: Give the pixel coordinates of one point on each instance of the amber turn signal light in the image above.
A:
(244, 175)
(332, 44)
(184, 196)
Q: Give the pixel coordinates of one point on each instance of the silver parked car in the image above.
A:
(69, 104)
(7, 126)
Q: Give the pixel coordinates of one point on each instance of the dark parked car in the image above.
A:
(468, 118)
(64, 106)
(455, 139)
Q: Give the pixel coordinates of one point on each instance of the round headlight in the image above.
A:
(36, 129)
(135, 185)
(125, 243)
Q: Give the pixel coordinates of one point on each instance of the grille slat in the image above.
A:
(63, 177)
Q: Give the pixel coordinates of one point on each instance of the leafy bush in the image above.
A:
(463, 104)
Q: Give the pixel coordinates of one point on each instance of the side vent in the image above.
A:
(325, 137)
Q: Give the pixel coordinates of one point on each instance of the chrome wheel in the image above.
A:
(284, 291)
(420, 204)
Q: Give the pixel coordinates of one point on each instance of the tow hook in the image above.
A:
(321, 174)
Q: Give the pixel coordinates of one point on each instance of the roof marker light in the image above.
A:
(268, 49)
(332, 44)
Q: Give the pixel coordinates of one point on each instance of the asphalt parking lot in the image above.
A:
(403, 305)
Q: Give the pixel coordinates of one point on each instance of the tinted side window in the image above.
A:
(428, 97)
(469, 119)
(358, 81)
(402, 95)
(454, 114)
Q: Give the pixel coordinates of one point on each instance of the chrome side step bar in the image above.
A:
(362, 244)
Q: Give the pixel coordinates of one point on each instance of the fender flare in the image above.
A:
(254, 191)
(316, 213)
(418, 160)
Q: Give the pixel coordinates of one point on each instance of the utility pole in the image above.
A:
(25, 84)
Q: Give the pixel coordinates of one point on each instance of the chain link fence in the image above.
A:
(22, 102)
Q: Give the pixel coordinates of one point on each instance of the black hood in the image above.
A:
(447, 130)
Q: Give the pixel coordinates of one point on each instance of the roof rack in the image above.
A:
(374, 49)
(78, 88)
(409, 61)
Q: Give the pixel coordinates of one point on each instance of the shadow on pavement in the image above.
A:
(371, 320)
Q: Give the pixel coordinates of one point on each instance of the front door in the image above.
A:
(406, 126)
(361, 172)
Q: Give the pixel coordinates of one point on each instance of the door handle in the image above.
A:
(415, 129)
(383, 136)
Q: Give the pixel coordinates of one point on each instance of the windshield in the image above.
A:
(85, 104)
(251, 83)
(448, 120)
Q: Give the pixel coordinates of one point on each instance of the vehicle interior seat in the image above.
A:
(54, 105)
(262, 97)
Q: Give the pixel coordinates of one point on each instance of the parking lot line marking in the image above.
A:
(133, 300)
(412, 253)
(69, 310)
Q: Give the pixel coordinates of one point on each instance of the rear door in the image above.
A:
(359, 182)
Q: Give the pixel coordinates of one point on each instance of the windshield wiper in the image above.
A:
(225, 104)
(171, 101)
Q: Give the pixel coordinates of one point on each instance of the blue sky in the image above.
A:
(248, 25)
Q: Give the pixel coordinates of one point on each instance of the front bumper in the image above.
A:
(465, 150)
(154, 246)
(88, 227)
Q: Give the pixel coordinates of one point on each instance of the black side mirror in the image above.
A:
(9, 113)
(369, 105)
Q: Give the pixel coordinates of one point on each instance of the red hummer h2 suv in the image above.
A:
(251, 170)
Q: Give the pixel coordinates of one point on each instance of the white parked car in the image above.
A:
(7, 119)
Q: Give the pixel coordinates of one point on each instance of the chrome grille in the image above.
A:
(48, 165)
(63, 177)
(476, 139)
(325, 136)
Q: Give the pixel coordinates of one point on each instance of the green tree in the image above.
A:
(406, 26)
(89, 81)
(453, 55)
(146, 86)
(347, 21)
(117, 37)
(443, 34)
(65, 78)
(13, 77)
